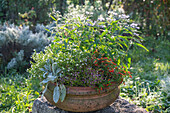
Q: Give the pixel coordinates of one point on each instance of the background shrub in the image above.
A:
(153, 15)
(17, 45)
(10, 9)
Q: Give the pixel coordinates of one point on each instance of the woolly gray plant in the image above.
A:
(17, 45)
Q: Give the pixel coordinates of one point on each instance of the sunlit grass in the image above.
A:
(149, 87)
(17, 93)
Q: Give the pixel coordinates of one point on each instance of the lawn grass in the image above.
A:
(17, 93)
(149, 87)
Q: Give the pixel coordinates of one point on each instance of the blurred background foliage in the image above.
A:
(152, 15)
(11, 9)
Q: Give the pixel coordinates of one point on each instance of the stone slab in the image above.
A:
(41, 105)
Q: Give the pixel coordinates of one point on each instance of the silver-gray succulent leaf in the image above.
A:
(56, 94)
(62, 92)
(42, 69)
(50, 77)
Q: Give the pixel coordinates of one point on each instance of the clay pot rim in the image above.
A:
(94, 88)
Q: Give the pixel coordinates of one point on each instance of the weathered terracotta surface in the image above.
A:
(84, 99)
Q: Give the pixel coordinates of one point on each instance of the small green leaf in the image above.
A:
(56, 39)
(121, 52)
(37, 93)
(118, 61)
(48, 30)
(124, 65)
(142, 46)
(129, 62)
(121, 32)
(119, 44)
(56, 94)
(104, 33)
(53, 17)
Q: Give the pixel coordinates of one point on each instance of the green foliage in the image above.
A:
(29, 18)
(151, 14)
(17, 44)
(3, 8)
(149, 87)
(17, 93)
(10, 10)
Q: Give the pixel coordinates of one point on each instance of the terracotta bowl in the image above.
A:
(84, 99)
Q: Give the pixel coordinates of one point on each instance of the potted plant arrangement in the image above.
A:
(85, 64)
